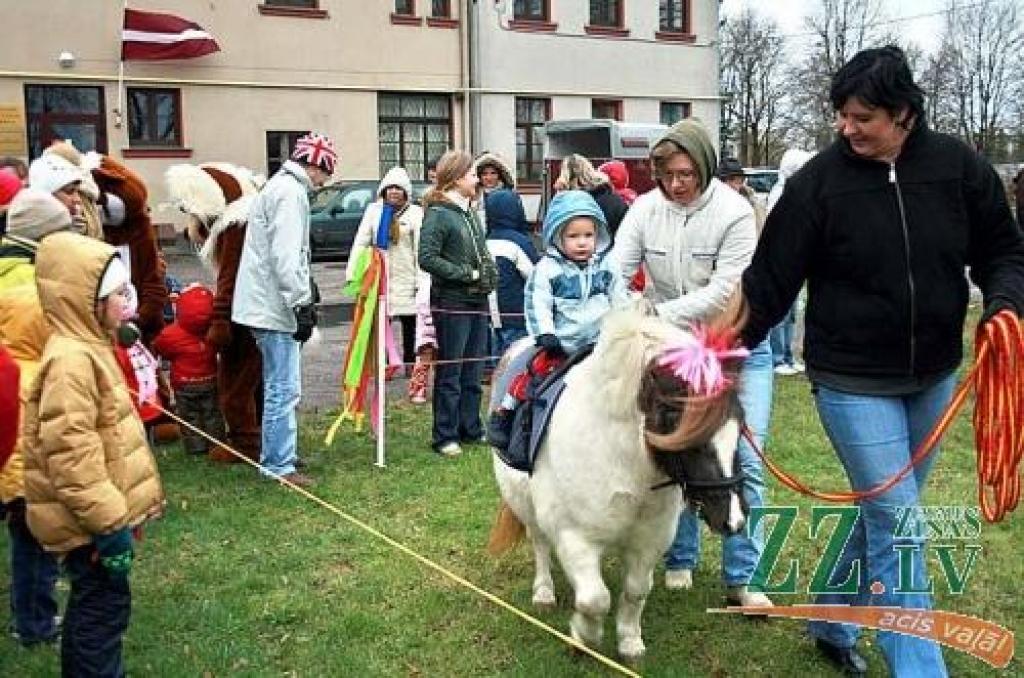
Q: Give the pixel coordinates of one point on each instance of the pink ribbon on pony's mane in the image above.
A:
(697, 359)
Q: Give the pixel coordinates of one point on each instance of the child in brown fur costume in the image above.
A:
(217, 197)
(127, 226)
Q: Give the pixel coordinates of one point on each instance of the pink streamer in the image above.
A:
(697, 360)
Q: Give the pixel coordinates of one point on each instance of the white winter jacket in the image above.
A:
(693, 254)
(273, 275)
(401, 256)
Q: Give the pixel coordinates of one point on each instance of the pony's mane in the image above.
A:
(630, 338)
(676, 418)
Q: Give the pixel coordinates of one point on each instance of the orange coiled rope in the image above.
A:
(998, 377)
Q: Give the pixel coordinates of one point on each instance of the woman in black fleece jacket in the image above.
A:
(881, 226)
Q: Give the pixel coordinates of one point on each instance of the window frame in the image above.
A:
(685, 32)
(616, 104)
(445, 14)
(544, 17)
(620, 16)
(401, 120)
(290, 136)
(46, 119)
(152, 119)
(310, 11)
(687, 110)
(524, 180)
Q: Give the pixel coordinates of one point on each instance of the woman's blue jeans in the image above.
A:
(457, 390)
(781, 337)
(282, 390)
(875, 437)
(740, 552)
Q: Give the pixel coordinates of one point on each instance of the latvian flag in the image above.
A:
(152, 36)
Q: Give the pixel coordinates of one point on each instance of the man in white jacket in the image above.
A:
(695, 236)
(274, 295)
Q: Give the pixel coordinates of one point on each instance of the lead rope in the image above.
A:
(998, 378)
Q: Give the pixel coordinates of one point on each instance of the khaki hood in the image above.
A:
(691, 136)
(69, 268)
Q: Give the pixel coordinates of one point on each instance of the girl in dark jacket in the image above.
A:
(453, 251)
(882, 225)
(508, 240)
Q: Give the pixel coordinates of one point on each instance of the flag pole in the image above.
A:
(119, 111)
(382, 319)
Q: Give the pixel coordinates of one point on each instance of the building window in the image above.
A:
(279, 148)
(154, 117)
(606, 109)
(674, 16)
(607, 13)
(414, 129)
(310, 4)
(405, 7)
(531, 10)
(674, 111)
(441, 9)
(531, 114)
(56, 112)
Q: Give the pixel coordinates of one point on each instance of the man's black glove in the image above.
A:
(996, 305)
(305, 320)
(551, 344)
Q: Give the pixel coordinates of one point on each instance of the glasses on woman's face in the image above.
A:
(681, 176)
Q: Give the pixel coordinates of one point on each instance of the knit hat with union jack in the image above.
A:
(316, 149)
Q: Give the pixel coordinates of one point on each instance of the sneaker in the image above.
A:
(799, 367)
(451, 449)
(785, 370)
(679, 580)
(418, 399)
(740, 595)
(299, 479)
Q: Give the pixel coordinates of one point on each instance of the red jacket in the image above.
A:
(9, 423)
(183, 343)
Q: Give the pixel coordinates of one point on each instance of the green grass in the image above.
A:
(244, 578)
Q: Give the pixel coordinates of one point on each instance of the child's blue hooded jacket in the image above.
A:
(569, 299)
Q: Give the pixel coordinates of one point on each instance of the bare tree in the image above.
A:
(984, 41)
(837, 31)
(751, 70)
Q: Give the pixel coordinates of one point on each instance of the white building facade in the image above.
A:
(629, 60)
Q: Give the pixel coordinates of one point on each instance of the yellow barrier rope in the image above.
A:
(440, 569)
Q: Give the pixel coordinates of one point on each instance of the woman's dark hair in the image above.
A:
(879, 77)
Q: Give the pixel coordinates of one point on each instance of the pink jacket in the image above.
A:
(425, 335)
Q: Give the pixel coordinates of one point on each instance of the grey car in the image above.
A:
(335, 213)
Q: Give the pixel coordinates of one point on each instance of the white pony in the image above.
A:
(603, 477)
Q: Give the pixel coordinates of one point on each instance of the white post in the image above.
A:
(382, 319)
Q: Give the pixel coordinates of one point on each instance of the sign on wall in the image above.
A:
(12, 130)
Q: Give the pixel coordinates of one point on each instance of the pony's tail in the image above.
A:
(508, 531)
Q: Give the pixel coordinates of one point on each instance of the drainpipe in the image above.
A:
(464, 33)
(473, 75)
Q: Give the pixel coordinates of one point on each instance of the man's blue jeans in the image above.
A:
(781, 338)
(282, 389)
(740, 552)
(34, 575)
(875, 437)
(457, 389)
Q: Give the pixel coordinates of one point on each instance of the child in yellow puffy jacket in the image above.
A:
(90, 478)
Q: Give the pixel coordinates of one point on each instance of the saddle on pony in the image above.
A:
(536, 391)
